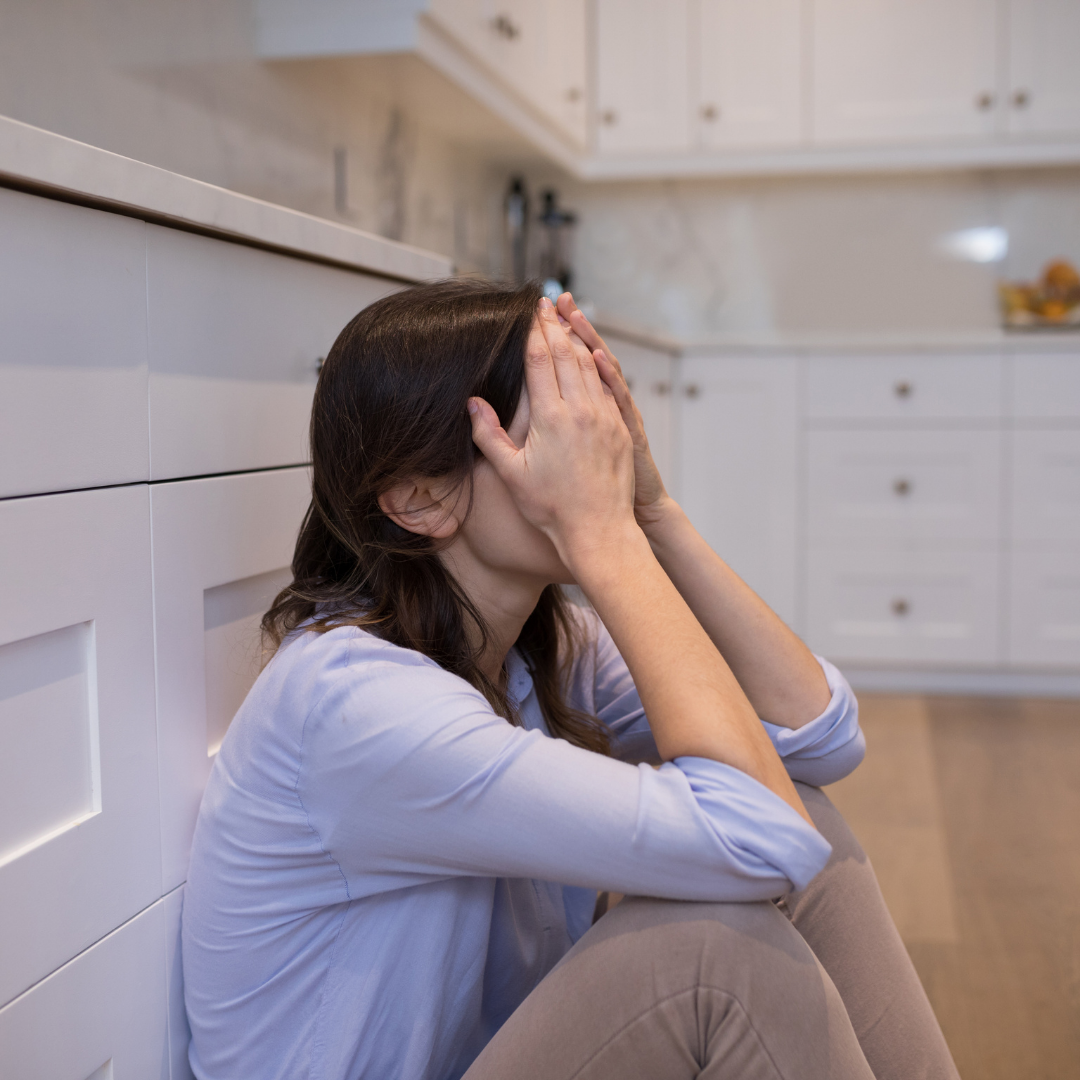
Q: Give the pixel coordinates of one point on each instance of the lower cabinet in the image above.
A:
(80, 848)
(222, 550)
(102, 1016)
(1044, 608)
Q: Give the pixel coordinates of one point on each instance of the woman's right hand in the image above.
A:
(574, 477)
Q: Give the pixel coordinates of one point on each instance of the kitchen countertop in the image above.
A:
(39, 161)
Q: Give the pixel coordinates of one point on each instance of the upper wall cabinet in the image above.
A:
(903, 70)
(642, 76)
(1042, 89)
(537, 47)
(749, 61)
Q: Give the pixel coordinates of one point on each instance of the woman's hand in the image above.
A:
(650, 496)
(574, 477)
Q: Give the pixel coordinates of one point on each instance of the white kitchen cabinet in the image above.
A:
(904, 387)
(99, 1017)
(934, 608)
(1043, 73)
(73, 348)
(893, 487)
(737, 446)
(1046, 486)
(222, 548)
(178, 1028)
(79, 838)
(650, 373)
(642, 76)
(538, 48)
(1046, 387)
(1044, 615)
(750, 62)
(235, 338)
(904, 70)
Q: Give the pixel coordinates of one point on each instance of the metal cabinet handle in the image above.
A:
(505, 27)
(661, 389)
(984, 101)
(903, 389)
(709, 112)
(1021, 99)
(902, 486)
(900, 606)
(609, 117)
(574, 94)
(692, 390)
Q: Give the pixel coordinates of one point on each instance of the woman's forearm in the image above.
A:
(780, 676)
(695, 705)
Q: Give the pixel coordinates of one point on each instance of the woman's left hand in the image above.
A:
(650, 495)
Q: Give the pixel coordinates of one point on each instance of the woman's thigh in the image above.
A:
(842, 916)
(664, 989)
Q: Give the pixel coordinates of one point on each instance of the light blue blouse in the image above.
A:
(383, 868)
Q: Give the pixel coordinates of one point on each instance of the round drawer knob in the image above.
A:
(1021, 99)
(709, 112)
(900, 606)
(984, 101)
(661, 389)
(903, 389)
(902, 486)
(609, 117)
(692, 390)
(318, 365)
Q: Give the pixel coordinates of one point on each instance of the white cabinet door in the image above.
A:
(1046, 486)
(738, 466)
(179, 1029)
(79, 839)
(1043, 66)
(650, 373)
(893, 487)
(904, 70)
(1044, 617)
(222, 548)
(73, 348)
(930, 607)
(1046, 387)
(642, 76)
(869, 388)
(235, 338)
(99, 1017)
(750, 71)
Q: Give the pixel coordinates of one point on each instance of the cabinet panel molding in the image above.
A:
(102, 1016)
(73, 383)
(1044, 625)
(1043, 86)
(1046, 486)
(76, 633)
(222, 547)
(1046, 387)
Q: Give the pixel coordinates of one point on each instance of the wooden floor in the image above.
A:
(970, 811)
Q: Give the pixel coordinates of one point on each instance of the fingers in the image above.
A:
(489, 436)
(583, 328)
(574, 364)
(614, 381)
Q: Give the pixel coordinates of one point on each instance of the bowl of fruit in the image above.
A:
(1051, 302)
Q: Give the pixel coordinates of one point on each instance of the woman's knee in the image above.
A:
(831, 824)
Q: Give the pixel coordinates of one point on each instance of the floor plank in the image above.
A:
(970, 811)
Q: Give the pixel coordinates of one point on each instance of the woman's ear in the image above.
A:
(423, 506)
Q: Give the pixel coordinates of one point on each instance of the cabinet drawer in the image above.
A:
(79, 836)
(904, 485)
(235, 335)
(904, 387)
(1044, 628)
(222, 550)
(897, 606)
(73, 347)
(1046, 485)
(100, 1017)
(1046, 387)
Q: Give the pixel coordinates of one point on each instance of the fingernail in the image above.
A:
(545, 303)
(473, 407)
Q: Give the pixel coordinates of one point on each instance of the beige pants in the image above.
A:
(817, 987)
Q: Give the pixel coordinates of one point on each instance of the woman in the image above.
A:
(398, 854)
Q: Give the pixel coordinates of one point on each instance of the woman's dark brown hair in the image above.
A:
(390, 405)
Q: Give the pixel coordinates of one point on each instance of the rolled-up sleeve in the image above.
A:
(831, 745)
(408, 776)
